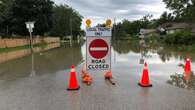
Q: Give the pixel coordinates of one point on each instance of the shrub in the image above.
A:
(180, 37)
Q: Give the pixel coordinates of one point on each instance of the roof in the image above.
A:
(172, 26)
(193, 28)
(147, 31)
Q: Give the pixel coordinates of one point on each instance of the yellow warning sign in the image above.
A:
(108, 23)
(88, 23)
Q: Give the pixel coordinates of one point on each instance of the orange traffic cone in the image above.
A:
(187, 67)
(73, 83)
(86, 78)
(108, 75)
(145, 81)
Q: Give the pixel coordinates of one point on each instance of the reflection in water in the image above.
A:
(144, 92)
(124, 47)
(183, 80)
(42, 63)
(7, 56)
(163, 60)
(148, 49)
(32, 66)
(73, 100)
(143, 51)
(135, 46)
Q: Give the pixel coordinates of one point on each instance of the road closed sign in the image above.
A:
(98, 48)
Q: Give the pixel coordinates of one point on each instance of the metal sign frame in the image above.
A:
(106, 36)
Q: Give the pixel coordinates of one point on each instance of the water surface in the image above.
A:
(127, 56)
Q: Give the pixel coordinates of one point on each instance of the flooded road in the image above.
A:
(39, 81)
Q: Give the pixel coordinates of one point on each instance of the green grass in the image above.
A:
(2, 50)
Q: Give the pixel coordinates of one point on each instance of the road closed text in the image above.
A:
(98, 65)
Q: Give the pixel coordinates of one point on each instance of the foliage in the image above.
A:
(39, 11)
(182, 81)
(65, 20)
(125, 46)
(164, 18)
(183, 9)
(5, 15)
(153, 39)
(49, 19)
(131, 28)
(186, 48)
(16, 12)
(180, 37)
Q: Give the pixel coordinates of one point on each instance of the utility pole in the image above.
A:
(114, 37)
(114, 28)
(7, 30)
(71, 37)
(71, 27)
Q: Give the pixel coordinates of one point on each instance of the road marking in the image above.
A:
(98, 49)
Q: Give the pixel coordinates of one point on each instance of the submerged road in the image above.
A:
(45, 89)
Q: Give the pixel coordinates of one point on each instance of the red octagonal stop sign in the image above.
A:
(98, 48)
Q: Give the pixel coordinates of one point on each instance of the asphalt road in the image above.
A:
(48, 92)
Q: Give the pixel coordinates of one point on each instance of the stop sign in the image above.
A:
(98, 48)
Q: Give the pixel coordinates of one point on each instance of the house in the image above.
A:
(147, 33)
(193, 29)
(173, 27)
(166, 28)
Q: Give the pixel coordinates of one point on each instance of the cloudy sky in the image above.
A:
(100, 10)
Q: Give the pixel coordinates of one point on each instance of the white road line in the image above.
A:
(98, 49)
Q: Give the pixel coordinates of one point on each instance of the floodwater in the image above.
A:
(7, 56)
(40, 62)
(39, 81)
(164, 61)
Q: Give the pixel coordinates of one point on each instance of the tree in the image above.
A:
(65, 20)
(14, 14)
(126, 27)
(145, 21)
(50, 19)
(39, 11)
(5, 16)
(164, 18)
(183, 9)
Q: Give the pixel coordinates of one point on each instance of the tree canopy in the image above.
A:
(5, 15)
(49, 18)
(39, 11)
(66, 21)
(183, 9)
(127, 28)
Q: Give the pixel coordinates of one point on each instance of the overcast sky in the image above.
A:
(100, 10)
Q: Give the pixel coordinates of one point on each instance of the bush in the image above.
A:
(180, 37)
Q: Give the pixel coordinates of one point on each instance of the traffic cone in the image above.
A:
(108, 75)
(73, 83)
(145, 81)
(187, 67)
(86, 78)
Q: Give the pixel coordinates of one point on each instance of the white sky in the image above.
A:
(100, 10)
